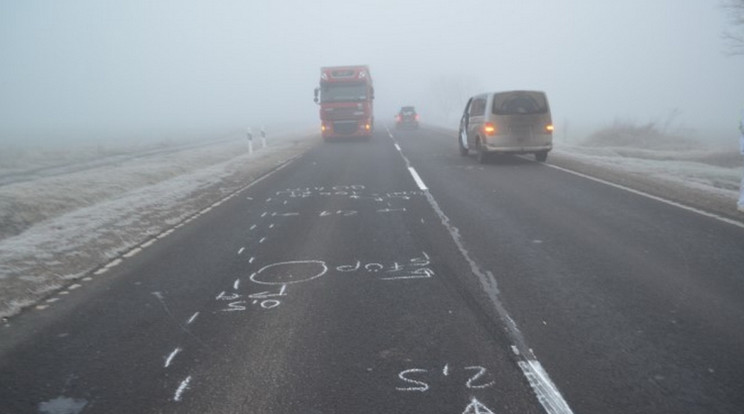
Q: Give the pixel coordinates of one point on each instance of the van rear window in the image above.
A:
(519, 103)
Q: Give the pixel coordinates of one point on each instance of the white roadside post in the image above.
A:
(263, 136)
(249, 134)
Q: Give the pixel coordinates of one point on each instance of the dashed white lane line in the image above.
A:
(653, 197)
(241, 250)
(419, 181)
(148, 243)
(113, 263)
(397, 147)
(252, 227)
(251, 259)
(263, 239)
(181, 388)
(132, 252)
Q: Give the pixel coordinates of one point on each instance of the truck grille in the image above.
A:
(345, 127)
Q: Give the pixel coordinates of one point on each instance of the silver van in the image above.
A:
(514, 122)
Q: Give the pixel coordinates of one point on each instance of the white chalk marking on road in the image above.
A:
(397, 147)
(241, 250)
(206, 210)
(170, 357)
(418, 179)
(653, 197)
(113, 263)
(264, 214)
(515, 350)
(236, 285)
(181, 388)
(249, 198)
(251, 259)
(271, 226)
(148, 243)
(132, 252)
(73, 287)
(52, 300)
(252, 227)
(64, 292)
(548, 395)
(217, 204)
(477, 407)
(87, 278)
(192, 318)
(268, 200)
(445, 371)
(543, 386)
(263, 239)
(100, 271)
(41, 307)
(419, 385)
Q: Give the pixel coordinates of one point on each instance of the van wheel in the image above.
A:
(481, 153)
(463, 151)
(541, 156)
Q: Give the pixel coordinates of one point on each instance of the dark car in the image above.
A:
(407, 118)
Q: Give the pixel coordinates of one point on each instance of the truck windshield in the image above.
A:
(341, 92)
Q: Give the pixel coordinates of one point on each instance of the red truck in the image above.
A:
(345, 97)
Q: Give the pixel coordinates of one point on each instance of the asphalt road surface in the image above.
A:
(395, 276)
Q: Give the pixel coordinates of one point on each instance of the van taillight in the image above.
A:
(489, 128)
(417, 117)
(549, 128)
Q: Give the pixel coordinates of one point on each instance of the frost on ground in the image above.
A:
(668, 165)
(57, 228)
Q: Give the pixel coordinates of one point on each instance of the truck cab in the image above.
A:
(345, 96)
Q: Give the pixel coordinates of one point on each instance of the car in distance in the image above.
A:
(511, 122)
(407, 118)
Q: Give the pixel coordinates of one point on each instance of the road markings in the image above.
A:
(170, 357)
(397, 147)
(181, 388)
(241, 250)
(653, 197)
(418, 179)
(132, 252)
(113, 263)
(251, 259)
(192, 318)
(547, 393)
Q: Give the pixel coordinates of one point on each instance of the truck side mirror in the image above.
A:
(315, 99)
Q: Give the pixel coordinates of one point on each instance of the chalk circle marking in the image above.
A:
(286, 273)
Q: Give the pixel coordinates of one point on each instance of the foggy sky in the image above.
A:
(105, 65)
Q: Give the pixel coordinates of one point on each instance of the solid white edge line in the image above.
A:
(418, 179)
(547, 394)
(652, 197)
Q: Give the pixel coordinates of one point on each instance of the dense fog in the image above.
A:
(125, 69)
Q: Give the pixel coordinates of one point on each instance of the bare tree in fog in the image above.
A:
(735, 36)
(450, 93)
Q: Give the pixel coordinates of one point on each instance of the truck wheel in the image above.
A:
(541, 156)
